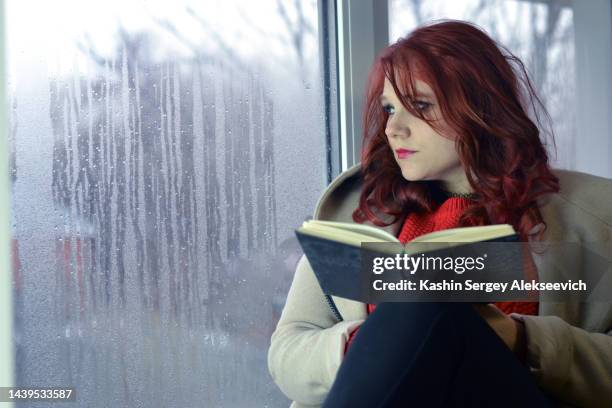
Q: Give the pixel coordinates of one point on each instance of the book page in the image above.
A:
(366, 230)
(468, 234)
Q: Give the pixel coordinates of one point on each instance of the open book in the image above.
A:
(335, 249)
(356, 234)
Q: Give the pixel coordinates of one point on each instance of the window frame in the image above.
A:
(6, 286)
(360, 31)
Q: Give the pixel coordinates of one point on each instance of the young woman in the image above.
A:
(448, 142)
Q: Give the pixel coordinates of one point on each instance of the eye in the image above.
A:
(421, 106)
(388, 109)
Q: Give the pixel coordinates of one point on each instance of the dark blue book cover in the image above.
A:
(342, 269)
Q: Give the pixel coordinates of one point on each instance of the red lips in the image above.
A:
(404, 153)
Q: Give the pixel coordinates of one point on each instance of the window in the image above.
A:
(161, 155)
(160, 160)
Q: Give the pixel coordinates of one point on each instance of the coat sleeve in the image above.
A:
(307, 346)
(572, 364)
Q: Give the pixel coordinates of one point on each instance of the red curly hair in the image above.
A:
(484, 95)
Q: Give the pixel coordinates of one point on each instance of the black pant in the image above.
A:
(431, 355)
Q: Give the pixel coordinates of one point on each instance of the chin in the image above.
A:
(412, 175)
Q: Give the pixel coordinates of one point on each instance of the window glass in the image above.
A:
(161, 155)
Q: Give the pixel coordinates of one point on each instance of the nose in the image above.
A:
(399, 124)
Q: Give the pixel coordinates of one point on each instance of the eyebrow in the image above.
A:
(383, 98)
(420, 94)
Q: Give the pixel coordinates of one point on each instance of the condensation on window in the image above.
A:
(161, 156)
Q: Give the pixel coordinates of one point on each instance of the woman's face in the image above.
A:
(421, 152)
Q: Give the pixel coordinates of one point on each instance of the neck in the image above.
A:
(468, 195)
(460, 188)
(456, 185)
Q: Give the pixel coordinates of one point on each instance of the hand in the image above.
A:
(510, 330)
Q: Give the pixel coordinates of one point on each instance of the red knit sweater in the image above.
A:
(444, 217)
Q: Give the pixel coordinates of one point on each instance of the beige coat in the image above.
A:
(569, 344)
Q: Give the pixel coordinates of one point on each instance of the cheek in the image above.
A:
(447, 157)
(441, 153)
(391, 143)
(388, 132)
(444, 145)
(447, 149)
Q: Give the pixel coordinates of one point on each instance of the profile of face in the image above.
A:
(420, 151)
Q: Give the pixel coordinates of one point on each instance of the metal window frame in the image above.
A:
(352, 32)
(328, 55)
(6, 304)
(363, 30)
